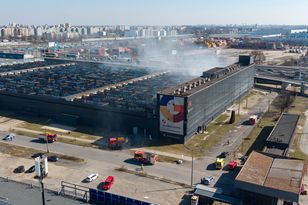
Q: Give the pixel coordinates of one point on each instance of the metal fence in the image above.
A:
(76, 191)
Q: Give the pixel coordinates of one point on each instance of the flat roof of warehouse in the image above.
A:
(262, 173)
(170, 91)
(284, 129)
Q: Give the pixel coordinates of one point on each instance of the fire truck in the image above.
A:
(145, 157)
(48, 137)
(116, 143)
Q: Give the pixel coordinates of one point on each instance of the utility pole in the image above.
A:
(40, 170)
(47, 146)
(42, 187)
(239, 106)
(192, 168)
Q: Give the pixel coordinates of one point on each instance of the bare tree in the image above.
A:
(258, 57)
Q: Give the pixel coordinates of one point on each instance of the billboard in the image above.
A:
(171, 111)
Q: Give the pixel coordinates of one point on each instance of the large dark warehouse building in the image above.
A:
(189, 107)
(123, 98)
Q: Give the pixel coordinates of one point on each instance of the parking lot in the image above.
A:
(125, 184)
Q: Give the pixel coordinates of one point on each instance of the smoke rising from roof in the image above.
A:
(181, 57)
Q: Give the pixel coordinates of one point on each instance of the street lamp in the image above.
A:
(47, 146)
(192, 165)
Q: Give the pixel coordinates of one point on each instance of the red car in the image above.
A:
(108, 182)
(232, 165)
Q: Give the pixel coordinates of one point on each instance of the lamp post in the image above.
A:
(42, 185)
(192, 165)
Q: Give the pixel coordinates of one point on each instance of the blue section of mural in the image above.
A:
(106, 198)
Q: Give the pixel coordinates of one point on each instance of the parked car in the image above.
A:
(19, 169)
(207, 180)
(243, 159)
(179, 161)
(9, 137)
(232, 165)
(31, 169)
(91, 177)
(223, 155)
(41, 155)
(108, 182)
(52, 158)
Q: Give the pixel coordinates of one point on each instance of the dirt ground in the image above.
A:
(272, 57)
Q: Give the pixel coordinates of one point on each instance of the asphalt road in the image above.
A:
(236, 136)
(108, 160)
(21, 194)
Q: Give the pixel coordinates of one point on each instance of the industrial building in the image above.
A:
(15, 55)
(269, 180)
(281, 137)
(189, 107)
(123, 98)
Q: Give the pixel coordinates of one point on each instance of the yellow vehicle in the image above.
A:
(220, 162)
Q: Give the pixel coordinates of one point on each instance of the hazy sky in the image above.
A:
(154, 12)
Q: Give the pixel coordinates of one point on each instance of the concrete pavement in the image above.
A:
(304, 137)
(107, 160)
(21, 194)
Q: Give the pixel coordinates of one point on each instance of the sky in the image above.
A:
(154, 12)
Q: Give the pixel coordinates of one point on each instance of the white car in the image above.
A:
(208, 180)
(9, 137)
(91, 177)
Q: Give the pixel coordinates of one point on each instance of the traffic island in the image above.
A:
(140, 172)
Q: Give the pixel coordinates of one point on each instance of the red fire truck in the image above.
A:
(116, 143)
(48, 137)
(145, 157)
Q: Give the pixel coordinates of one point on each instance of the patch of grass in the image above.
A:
(256, 138)
(38, 127)
(60, 139)
(21, 132)
(162, 158)
(25, 152)
(201, 143)
(145, 174)
(299, 106)
(75, 142)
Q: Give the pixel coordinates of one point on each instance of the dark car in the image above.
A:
(52, 158)
(223, 155)
(9, 137)
(20, 169)
(31, 169)
(41, 155)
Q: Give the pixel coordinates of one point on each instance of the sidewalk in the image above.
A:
(304, 137)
